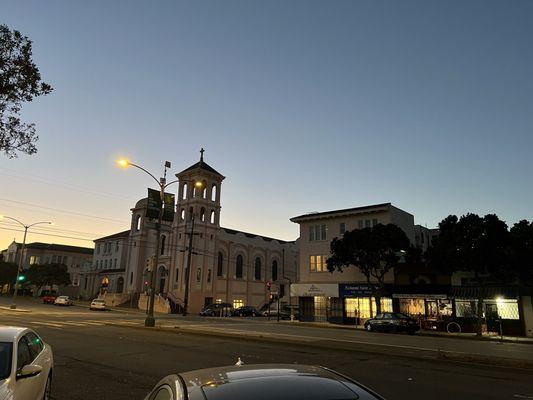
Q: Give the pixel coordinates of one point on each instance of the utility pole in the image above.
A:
(188, 268)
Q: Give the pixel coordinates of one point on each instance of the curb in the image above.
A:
(373, 348)
(15, 310)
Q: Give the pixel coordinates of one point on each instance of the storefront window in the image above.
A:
(321, 308)
(506, 308)
(465, 308)
(412, 306)
(361, 307)
(238, 303)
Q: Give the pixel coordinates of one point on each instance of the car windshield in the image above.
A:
(401, 316)
(6, 349)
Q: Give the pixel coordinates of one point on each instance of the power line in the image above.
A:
(62, 211)
(54, 229)
(47, 234)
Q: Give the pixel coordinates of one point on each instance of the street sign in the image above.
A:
(154, 204)
(168, 210)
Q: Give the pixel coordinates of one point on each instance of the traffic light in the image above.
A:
(22, 278)
(269, 285)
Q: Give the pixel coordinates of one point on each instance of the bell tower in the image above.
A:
(199, 194)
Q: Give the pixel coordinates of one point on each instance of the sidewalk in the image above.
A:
(466, 336)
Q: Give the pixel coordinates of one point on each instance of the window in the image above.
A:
(35, 344)
(238, 267)
(138, 223)
(184, 189)
(116, 246)
(182, 215)
(204, 191)
(317, 232)
(209, 276)
(318, 263)
(274, 270)
(360, 224)
(214, 192)
(177, 278)
(163, 240)
(220, 264)
(238, 303)
(367, 223)
(212, 217)
(342, 228)
(32, 260)
(105, 263)
(98, 248)
(23, 354)
(198, 275)
(202, 214)
(374, 222)
(257, 269)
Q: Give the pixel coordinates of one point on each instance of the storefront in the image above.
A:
(318, 302)
(358, 303)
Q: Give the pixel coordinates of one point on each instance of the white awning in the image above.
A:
(314, 289)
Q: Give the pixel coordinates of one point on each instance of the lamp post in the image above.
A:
(188, 268)
(13, 305)
(162, 183)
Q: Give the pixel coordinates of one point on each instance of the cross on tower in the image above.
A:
(202, 154)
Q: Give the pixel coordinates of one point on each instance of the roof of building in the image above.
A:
(354, 210)
(201, 165)
(59, 247)
(253, 235)
(122, 234)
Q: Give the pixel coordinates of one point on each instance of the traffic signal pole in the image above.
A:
(13, 305)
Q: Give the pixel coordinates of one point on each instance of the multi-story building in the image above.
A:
(74, 257)
(339, 296)
(106, 271)
(226, 265)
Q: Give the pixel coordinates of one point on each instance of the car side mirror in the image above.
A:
(28, 371)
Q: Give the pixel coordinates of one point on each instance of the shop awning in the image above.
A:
(489, 292)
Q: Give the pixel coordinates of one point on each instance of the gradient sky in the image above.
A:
(302, 105)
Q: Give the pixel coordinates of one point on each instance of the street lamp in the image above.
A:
(163, 184)
(19, 267)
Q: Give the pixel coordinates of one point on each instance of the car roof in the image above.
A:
(11, 333)
(276, 381)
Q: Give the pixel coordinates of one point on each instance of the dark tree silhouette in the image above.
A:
(521, 242)
(20, 81)
(475, 244)
(374, 251)
(8, 272)
(48, 275)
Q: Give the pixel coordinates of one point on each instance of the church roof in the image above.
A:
(122, 234)
(253, 235)
(200, 165)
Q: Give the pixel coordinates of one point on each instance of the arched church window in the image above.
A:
(198, 275)
(191, 212)
(138, 223)
(212, 217)
(238, 267)
(163, 240)
(257, 269)
(274, 270)
(185, 189)
(202, 214)
(204, 190)
(214, 189)
(220, 264)
(182, 216)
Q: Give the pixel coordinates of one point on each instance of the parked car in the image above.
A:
(98, 304)
(26, 364)
(63, 301)
(392, 322)
(272, 311)
(49, 298)
(260, 381)
(246, 311)
(217, 310)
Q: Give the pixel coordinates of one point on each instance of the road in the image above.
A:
(97, 361)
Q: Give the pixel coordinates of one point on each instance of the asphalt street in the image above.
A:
(94, 360)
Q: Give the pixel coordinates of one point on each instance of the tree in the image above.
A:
(475, 244)
(48, 275)
(374, 251)
(521, 243)
(20, 81)
(8, 273)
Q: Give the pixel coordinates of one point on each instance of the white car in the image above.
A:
(63, 301)
(98, 304)
(26, 364)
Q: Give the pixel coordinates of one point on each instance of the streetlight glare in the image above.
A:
(123, 163)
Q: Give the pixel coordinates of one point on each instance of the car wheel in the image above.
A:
(48, 389)
(369, 328)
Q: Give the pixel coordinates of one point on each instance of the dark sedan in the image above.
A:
(392, 322)
(217, 310)
(246, 311)
(260, 382)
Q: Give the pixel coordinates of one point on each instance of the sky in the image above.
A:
(303, 105)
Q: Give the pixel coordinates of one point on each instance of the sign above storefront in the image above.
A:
(354, 290)
(419, 296)
(314, 289)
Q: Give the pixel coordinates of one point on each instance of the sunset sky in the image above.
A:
(302, 105)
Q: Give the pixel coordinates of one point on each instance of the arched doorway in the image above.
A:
(161, 278)
(120, 284)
